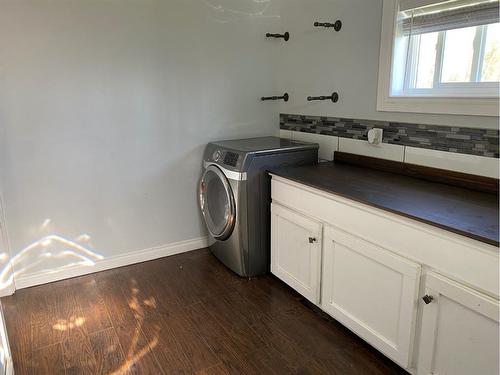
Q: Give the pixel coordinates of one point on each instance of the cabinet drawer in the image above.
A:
(371, 291)
(296, 251)
(459, 333)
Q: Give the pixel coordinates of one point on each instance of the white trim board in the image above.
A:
(5, 246)
(7, 356)
(453, 161)
(328, 144)
(9, 368)
(8, 291)
(384, 150)
(465, 163)
(113, 262)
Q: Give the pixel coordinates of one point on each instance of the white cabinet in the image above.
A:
(459, 334)
(368, 270)
(296, 251)
(371, 291)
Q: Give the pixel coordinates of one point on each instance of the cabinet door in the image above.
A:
(459, 334)
(371, 291)
(296, 251)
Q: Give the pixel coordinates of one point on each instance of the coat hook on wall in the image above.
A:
(334, 97)
(336, 26)
(284, 36)
(284, 97)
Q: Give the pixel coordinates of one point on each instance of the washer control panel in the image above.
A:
(231, 159)
(227, 158)
(217, 155)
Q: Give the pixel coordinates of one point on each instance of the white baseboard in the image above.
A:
(8, 290)
(9, 368)
(26, 281)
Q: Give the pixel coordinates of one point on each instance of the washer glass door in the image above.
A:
(217, 203)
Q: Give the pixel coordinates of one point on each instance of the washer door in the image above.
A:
(217, 203)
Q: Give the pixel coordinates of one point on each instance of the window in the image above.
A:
(440, 56)
(443, 55)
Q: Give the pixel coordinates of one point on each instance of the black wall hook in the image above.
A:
(336, 26)
(285, 36)
(334, 97)
(284, 97)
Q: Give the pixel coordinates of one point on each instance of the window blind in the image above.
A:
(450, 15)
(414, 4)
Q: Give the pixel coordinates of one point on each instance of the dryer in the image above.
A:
(235, 197)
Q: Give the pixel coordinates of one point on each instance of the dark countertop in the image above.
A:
(467, 212)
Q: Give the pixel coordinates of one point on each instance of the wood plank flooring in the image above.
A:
(185, 314)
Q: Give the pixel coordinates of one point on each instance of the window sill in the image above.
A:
(440, 105)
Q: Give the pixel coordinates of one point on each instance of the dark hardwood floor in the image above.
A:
(179, 315)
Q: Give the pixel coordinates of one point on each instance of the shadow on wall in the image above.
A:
(50, 253)
(225, 11)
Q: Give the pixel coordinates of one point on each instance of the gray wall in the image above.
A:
(105, 108)
(318, 61)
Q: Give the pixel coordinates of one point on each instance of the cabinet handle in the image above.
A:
(312, 239)
(427, 299)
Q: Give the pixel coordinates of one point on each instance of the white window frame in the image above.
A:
(424, 103)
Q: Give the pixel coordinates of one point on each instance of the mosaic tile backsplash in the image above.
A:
(482, 142)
